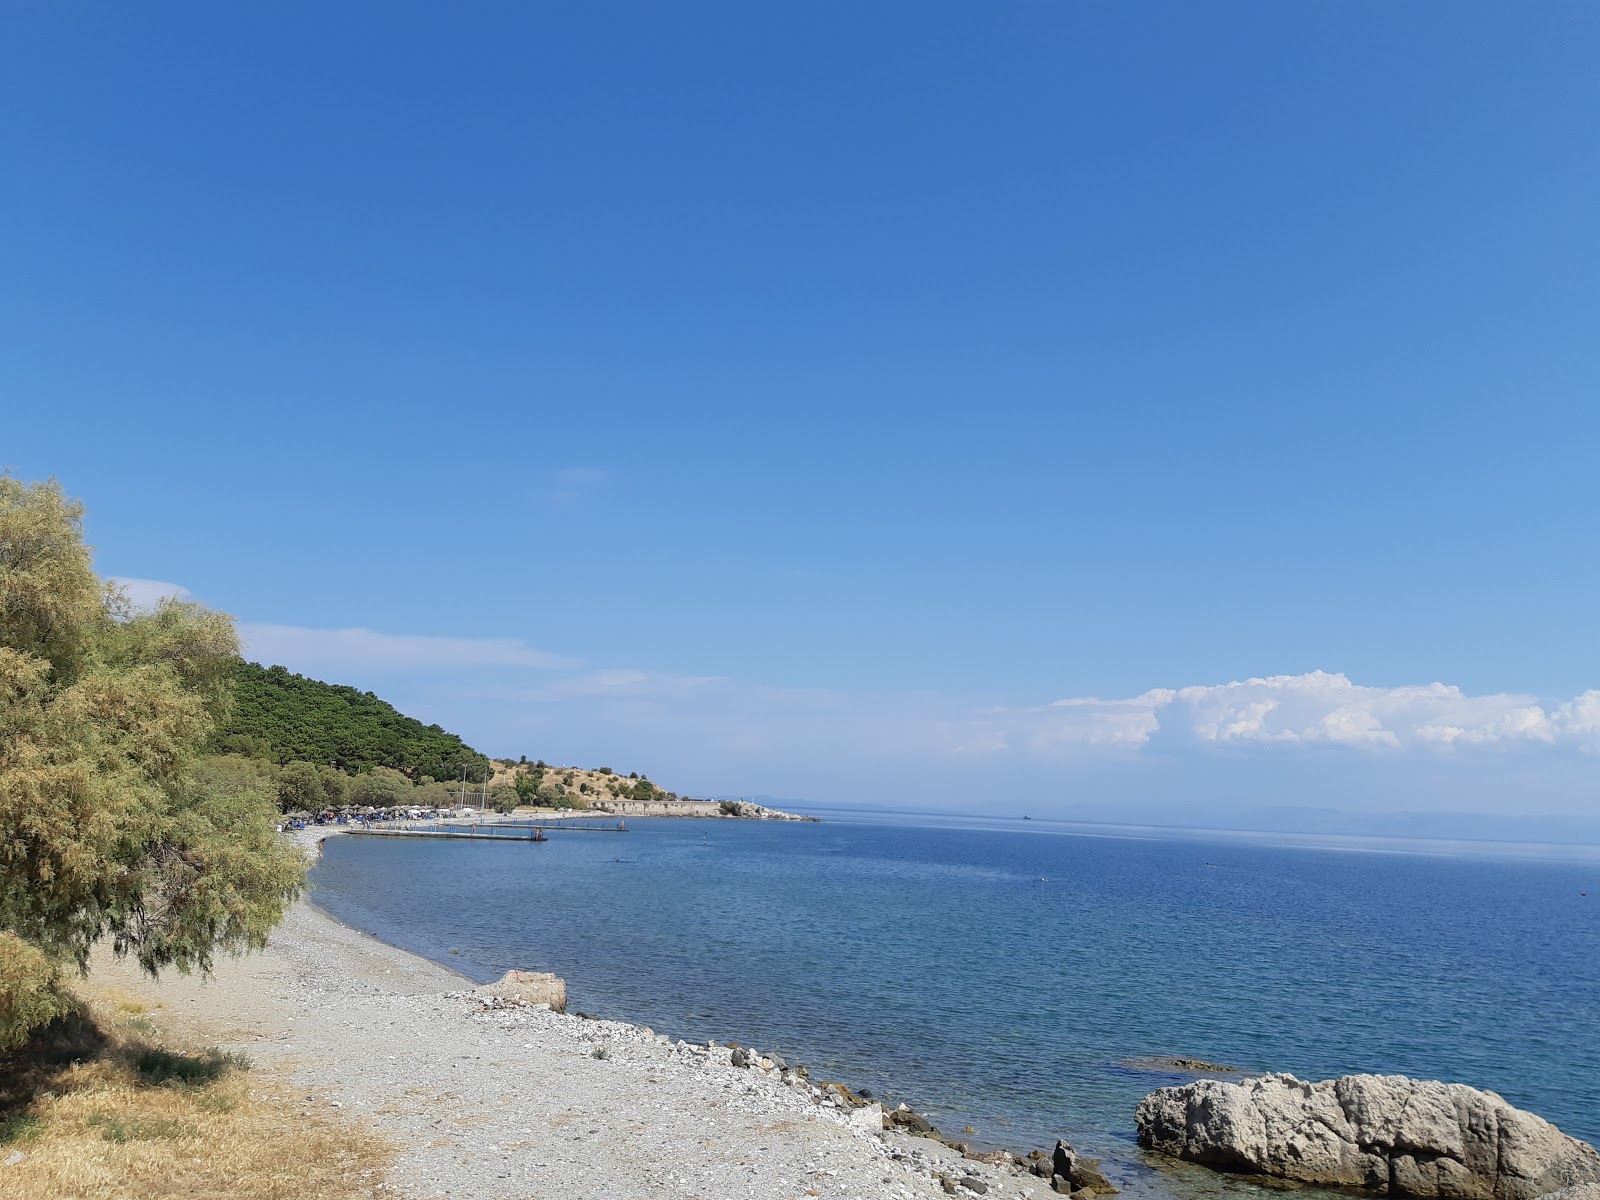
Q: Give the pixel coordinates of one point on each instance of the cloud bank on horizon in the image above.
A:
(1236, 753)
(1317, 708)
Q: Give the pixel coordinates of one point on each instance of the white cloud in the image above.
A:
(1088, 721)
(146, 594)
(626, 682)
(325, 650)
(1580, 717)
(1319, 708)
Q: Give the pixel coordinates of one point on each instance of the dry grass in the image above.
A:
(100, 1110)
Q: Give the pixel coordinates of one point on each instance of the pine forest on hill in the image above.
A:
(324, 744)
(283, 717)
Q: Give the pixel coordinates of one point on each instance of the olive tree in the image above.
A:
(111, 826)
(382, 787)
(310, 786)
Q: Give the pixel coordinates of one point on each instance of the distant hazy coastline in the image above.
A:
(1487, 846)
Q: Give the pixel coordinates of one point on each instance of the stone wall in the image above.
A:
(658, 808)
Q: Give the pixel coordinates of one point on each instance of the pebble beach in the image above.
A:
(508, 1103)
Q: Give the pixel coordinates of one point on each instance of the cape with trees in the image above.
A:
(281, 717)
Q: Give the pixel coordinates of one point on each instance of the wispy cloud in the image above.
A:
(148, 593)
(620, 683)
(573, 485)
(312, 650)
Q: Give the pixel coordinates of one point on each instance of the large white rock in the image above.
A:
(1384, 1133)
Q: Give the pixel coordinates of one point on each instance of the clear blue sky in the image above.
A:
(799, 397)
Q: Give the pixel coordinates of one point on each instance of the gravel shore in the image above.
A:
(517, 1103)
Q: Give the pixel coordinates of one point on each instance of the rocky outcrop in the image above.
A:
(1177, 1065)
(1384, 1133)
(526, 987)
(1071, 1174)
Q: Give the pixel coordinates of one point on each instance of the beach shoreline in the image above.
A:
(511, 1103)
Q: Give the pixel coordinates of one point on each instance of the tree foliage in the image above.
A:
(283, 717)
(310, 787)
(381, 787)
(527, 786)
(111, 825)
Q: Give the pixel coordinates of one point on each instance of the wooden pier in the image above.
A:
(588, 826)
(480, 834)
(493, 831)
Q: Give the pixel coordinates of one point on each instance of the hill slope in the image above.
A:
(576, 787)
(285, 717)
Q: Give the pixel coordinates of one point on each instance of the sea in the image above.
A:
(1011, 979)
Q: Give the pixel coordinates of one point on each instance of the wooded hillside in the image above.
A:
(283, 717)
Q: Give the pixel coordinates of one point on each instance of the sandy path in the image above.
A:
(513, 1104)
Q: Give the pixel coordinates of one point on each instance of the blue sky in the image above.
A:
(808, 398)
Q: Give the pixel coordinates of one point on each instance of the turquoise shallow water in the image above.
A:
(998, 977)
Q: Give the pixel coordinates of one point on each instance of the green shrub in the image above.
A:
(162, 1067)
(114, 1129)
(18, 1129)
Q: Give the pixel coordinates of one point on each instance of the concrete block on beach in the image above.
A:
(868, 1117)
(527, 987)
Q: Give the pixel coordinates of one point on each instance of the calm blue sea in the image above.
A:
(998, 976)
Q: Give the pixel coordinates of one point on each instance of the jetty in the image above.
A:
(580, 824)
(499, 831)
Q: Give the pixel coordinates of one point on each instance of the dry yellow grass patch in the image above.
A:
(99, 1112)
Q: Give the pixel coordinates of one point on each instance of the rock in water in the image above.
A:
(1385, 1133)
(1078, 1174)
(527, 987)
